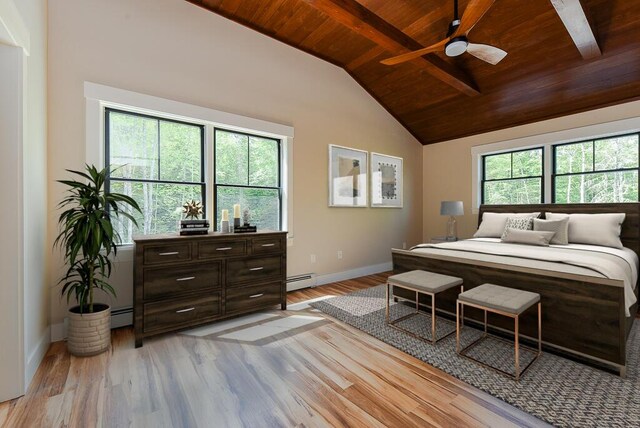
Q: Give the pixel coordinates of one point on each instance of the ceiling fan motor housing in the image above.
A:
(456, 46)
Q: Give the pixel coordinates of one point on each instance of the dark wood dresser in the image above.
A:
(185, 281)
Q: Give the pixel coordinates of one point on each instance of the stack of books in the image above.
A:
(194, 227)
(245, 229)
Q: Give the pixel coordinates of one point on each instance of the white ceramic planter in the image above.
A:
(89, 333)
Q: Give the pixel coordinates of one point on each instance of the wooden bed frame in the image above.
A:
(582, 317)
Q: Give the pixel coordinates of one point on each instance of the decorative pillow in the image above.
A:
(529, 237)
(520, 223)
(493, 224)
(560, 227)
(593, 229)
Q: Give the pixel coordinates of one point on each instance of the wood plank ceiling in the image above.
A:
(438, 98)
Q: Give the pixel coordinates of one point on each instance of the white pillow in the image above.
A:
(493, 224)
(529, 237)
(560, 227)
(593, 229)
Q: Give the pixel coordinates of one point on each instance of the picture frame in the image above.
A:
(386, 181)
(348, 177)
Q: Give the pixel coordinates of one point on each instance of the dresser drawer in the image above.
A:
(209, 250)
(243, 299)
(167, 281)
(253, 269)
(181, 312)
(266, 245)
(166, 253)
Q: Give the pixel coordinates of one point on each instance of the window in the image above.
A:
(513, 178)
(247, 172)
(158, 162)
(604, 170)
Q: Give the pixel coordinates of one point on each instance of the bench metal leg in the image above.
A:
(386, 313)
(517, 325)
(433, 319)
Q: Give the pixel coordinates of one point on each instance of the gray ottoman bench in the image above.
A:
(421, 282)
(504, 301)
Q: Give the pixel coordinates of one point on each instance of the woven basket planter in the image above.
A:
(89, 333)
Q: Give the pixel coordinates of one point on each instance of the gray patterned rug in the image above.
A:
(559, 391)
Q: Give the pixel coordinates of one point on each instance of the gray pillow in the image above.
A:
(560, 227)
(493, 224)
(594, 229)
(520, 223)
(529, 237)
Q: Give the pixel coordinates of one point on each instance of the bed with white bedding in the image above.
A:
(589, 292)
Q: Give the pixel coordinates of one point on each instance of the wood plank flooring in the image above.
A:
(330, 375)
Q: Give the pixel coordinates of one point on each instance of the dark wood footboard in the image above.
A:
(581, 315)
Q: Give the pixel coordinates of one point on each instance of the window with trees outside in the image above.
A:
(603, 170)
(247, 172)
(158, 162)
(513, 177)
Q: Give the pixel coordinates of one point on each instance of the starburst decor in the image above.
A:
(192, 210)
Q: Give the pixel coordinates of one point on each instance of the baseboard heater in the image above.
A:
(301, 281)
(121, 317)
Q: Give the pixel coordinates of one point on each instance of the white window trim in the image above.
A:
(98, 97)
(547, 141)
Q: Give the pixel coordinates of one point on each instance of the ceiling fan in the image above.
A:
(456, 42)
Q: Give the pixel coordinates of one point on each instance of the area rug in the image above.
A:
(557, 390)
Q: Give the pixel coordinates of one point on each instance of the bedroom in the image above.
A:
(173, 50)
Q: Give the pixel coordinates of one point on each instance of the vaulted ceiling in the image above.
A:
(439, 98)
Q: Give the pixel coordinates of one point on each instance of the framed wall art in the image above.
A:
(347, 177)
(386, 181)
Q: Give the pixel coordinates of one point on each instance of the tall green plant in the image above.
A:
(87, 235)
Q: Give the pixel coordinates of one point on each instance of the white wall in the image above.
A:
(175, 50)
(24, 328)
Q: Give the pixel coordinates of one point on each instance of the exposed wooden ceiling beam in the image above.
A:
(575, 20)
(366, 23)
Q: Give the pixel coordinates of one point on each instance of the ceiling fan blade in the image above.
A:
(415, 54)
(487, 53)
(472, 14)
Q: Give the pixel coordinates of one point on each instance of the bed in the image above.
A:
(588, 306)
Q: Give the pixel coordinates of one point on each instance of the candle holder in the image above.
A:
(236, 222)
(224, 226)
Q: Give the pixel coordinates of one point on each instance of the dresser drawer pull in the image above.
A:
(185, 310)
(256, 268)
(268, 245)
(224, 248)
(170, 253)
(256, 295)
(186, 278)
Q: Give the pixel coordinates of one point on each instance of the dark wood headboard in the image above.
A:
(630, 234)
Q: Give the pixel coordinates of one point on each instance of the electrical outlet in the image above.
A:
(404, 245)
(340, 255)
(313, 258)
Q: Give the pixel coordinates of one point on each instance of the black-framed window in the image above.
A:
(513, 177)
(248, 172)
(160, 163)
(599, 170)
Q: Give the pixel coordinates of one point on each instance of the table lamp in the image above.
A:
(452, 209)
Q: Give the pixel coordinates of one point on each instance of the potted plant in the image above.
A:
(88, 240)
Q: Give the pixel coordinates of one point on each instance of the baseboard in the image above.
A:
(353, 273)
(36, 356)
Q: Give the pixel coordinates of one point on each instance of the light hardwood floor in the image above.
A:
(327, 375)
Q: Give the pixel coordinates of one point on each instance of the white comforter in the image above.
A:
(603, 262)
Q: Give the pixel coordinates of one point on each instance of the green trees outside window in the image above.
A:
(247, 172)
(604, 170)
(159, 163)
(513, 178)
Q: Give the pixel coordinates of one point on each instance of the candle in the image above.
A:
(236, 211)
(225, 215)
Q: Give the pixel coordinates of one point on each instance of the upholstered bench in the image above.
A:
(421, 282)
(500, 300)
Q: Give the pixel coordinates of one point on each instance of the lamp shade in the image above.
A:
(451, 208)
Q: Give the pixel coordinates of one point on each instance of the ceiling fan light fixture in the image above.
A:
(456, 46)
